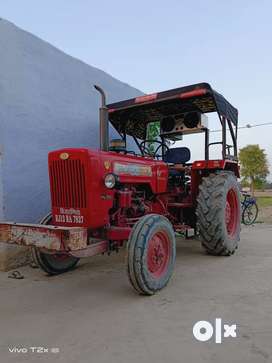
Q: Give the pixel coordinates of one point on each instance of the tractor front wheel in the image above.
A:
(151, 254)
(53, 264)
(219, 213)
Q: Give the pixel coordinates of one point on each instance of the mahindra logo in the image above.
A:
(70, 211)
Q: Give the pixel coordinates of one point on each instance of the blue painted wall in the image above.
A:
(46, 102)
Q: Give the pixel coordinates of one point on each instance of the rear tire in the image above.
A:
(219, 213)
(151, 254)
(53, 264)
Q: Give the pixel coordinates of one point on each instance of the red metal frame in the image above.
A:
(50, 238)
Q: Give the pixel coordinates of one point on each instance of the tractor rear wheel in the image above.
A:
(151, 254)
(53, 264)
(219, 213)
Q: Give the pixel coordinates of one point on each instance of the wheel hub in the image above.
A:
(231, 211)
(158, 254)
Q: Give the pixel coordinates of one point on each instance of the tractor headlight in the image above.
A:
(110, 181)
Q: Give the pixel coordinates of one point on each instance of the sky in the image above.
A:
(158, 45)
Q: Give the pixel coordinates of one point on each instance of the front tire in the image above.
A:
(219, 213)
(151, 254)
(53, 264)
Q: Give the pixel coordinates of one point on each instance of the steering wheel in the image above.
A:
(145, 149)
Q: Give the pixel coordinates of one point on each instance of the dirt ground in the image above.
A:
(92, 314)
(265, 215)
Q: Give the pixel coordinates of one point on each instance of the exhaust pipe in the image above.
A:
(103, 121)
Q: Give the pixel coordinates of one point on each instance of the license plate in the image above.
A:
(67, 218)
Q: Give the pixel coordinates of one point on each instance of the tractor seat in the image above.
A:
(177, 156)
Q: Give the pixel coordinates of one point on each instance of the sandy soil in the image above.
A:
(92, 314)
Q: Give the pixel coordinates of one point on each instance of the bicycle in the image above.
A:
(250, 209)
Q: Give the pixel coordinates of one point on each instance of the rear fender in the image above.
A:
(209, 166)
(217, 165)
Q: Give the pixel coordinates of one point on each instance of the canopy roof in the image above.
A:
(132, 116)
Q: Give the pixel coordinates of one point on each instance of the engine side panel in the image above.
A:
(78, 194)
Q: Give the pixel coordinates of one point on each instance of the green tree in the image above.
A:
(254, 166)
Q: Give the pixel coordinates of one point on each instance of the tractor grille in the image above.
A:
(67, 178)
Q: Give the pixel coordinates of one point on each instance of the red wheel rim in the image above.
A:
(158, 254)
(61, 256)
(231, 212)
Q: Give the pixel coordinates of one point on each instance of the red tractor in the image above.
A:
(105, 199)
